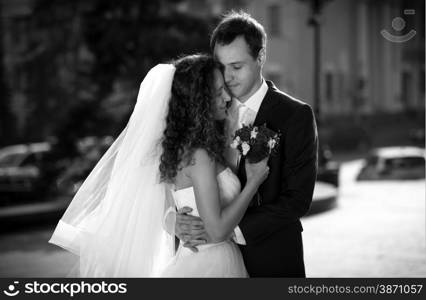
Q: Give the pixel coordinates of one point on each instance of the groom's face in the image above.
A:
(242, 71)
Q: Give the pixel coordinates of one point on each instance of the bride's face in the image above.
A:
(221, 96)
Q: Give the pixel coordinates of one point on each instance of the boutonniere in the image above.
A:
(255, 142)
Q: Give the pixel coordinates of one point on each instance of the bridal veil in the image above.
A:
(115, 221)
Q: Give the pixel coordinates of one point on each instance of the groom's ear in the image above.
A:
(261, 57)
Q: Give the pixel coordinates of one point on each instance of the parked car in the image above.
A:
(394, 163)
(20, 170)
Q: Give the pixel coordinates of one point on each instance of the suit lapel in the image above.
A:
(267, 104)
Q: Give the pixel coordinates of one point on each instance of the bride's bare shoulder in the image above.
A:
(201, 158)
(193, 163)
(199, 162)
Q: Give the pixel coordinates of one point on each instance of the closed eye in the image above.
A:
(237, 65)
(219, 91)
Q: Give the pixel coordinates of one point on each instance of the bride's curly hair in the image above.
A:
(190, 122)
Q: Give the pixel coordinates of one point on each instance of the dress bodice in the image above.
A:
(229, 188)
(214, 260)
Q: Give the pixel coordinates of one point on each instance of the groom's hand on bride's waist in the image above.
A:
(190, 229)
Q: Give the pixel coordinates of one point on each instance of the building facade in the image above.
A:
(361, 71)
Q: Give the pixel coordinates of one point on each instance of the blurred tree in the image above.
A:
(129, 37)
(50, 62)
(84, 61)
(6, 117)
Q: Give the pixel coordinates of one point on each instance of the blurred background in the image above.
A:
(69, 77)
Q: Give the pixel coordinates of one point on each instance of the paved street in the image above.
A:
(376, 230)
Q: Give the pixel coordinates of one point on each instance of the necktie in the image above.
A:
(248, 116)
(240, 114)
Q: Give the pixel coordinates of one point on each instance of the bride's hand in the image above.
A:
(257, 172)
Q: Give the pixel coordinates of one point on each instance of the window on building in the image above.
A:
(274, 18)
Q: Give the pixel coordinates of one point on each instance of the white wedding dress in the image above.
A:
(114, 224)
(222, 259)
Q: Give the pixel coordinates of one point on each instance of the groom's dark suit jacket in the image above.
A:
(272, 229)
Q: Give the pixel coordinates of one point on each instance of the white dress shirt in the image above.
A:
(242, 113)
(239, 114)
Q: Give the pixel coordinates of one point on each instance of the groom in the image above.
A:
(269, 234)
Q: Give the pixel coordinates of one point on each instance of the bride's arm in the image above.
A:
(219, 221)
(169, 217)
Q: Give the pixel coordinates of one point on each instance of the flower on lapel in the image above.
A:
(253, 133)
(255, 142)
(245, 148)
(235, 142)
(271, 143)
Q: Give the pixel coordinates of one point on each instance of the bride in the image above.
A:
(169, 155)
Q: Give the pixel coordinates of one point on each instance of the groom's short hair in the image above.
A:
(235, 24)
